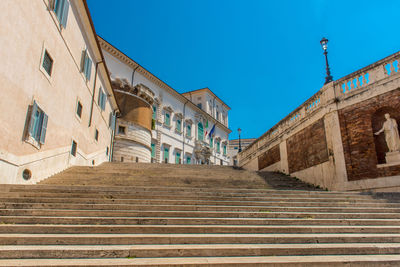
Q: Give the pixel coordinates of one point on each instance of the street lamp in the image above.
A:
(324, 44)
(240, 144)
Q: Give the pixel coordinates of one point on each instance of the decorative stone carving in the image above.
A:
(391, 131)
(202, 153)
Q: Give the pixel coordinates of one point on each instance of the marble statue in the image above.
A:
(391, 133)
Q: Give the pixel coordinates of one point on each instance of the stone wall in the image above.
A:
(329, 140)
(269, 157)
(363, 150)
(307, 148)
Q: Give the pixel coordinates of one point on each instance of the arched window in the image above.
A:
(200, 132)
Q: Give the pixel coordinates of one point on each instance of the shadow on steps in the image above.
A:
(285, 182)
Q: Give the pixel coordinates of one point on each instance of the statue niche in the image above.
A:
(385, 126)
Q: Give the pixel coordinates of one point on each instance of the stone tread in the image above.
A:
(337, 260)
(108, 215)
(204, 228)
(194, 250)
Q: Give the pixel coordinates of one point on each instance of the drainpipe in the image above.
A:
(113, 138)
(94, 91)
(183, 132)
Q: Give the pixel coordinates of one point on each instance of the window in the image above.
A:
(61, 8)
(178, 158)
(218, 147)
(153, 150)
(102, 99)
(79, 109)
(96, 135)
(179, 125)
(74, 148)
(235, 148)
(217, 115)
(188, 160)
(107, 151)
(167, 119)
(199, 105)
(189, 130)
(121, 129)
(154, 112)
(200, 132)
(166, 154)
(211, 142)
(224, 149)
(47, 63)
(86, 64)
(111, 121)
(37, 124)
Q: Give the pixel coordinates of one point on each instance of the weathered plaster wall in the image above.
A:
(29, 27)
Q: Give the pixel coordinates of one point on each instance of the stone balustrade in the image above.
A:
(357, 88)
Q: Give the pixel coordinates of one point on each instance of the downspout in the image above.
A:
(183, 132)
(94, 91)
(113, 138)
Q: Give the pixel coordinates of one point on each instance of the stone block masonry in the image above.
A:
(363, 151)
(269, 157)
(308, 147)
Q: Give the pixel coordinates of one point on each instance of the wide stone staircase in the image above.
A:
(120, 214)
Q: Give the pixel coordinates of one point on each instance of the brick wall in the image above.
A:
(269, 157)
(362, 149)
(308, 147)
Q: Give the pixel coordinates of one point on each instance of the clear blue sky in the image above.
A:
(262, 57)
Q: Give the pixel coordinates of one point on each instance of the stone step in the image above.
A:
(154, 188)
(192, 221)
(131, 239)
(292, 261)
(286, 203)
(189, 197)
(276, 208)
(188, 193)
(193, 250)
(195, 214)
(148, 191)
(190, 229)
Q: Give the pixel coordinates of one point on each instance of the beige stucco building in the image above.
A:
(57, 100)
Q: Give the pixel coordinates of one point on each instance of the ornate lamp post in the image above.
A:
(324, 44)
(240, 144)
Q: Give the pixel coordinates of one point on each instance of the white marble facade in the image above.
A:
(177, 136)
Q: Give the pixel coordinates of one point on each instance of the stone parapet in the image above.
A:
(349, 111)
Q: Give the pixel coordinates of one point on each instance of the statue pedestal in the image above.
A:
(393, 157)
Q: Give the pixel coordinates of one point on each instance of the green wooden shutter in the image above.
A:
(44, 128)
(166, 154)
(200, 131)
(88, 66)
(153, 150)
(32, 119)
(64, 16)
